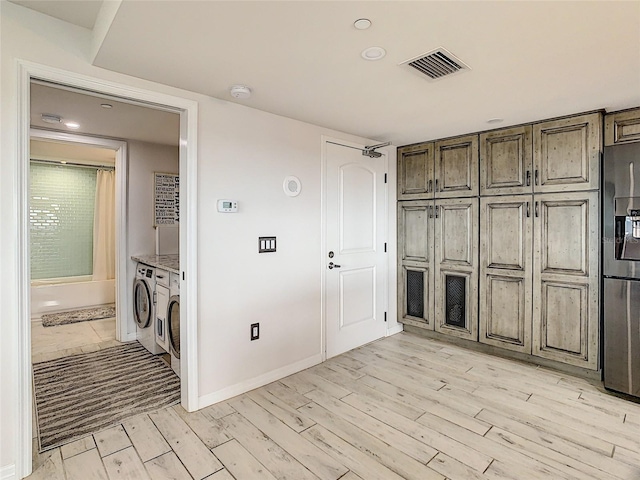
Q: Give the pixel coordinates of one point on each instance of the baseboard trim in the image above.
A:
(272, 376)
(397, 329)
(8, 472)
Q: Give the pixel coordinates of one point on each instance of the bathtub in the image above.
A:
(68, 293)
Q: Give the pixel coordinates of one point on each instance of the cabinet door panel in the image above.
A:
(415, 171)
(505, 272)
(415, 269)
(505, 161)
(622, 127)
(566, 284)
(456, 167)
(567, 154)
(456, 267)
(414, 223)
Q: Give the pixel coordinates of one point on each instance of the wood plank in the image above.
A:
(111, 440)
(561, 462)
(627, 456)
(286, 394)
(85, 466)
(167, 467)
(195, 456)
(318, 462)
(453, 469)
(391, 457)
(356, 461)
(401, 407)
(78, 446)
(51, 469)
(147, 440)
(413, 447)
(220, 475)
(218, 410)
(241, 463)
(125, 465)
(279, 462)
(559, 444)
(209, 430)
(291, 417)
(303, 380)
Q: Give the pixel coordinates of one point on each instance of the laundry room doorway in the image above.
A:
(108, 92)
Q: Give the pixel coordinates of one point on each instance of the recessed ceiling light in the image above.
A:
(362, 23)
(373, 53)
(106, 105)
(72, 125)
(50, 118)
(495, 120)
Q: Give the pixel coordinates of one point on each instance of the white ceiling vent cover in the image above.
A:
(437, 64)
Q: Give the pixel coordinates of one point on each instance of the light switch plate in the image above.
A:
(266, 244)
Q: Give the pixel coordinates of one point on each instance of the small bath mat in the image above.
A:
(83, 315)
(82, 394)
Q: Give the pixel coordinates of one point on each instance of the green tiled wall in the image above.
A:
(61, 220)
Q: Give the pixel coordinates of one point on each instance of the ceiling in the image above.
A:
(123, 120)
(81, 13)
(71, 152)
(528, 60)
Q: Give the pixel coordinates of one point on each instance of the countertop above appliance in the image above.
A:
(170, 263)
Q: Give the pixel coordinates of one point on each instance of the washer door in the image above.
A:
(173, 324)
(142, 303)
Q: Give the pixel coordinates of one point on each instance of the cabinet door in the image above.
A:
(622, 127)
(415, 252)
(565, 282)
(505, 272)
(456, 267)
(567, 154)
(506, 157)
(415, 172)
(456, 167)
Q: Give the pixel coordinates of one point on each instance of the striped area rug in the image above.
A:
(82, 394)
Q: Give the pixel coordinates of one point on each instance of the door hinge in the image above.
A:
(385, 178)
(385, 316)
(385, 247)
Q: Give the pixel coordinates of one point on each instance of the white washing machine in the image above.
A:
(144, 307)
(173, 321)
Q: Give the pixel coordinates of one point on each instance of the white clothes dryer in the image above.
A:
(144, 307)
(173, 322)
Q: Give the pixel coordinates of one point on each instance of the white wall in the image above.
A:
(144, 159)
(243, 154)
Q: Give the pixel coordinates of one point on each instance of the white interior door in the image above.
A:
(354, 254)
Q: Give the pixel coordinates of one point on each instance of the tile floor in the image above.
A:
(404, 407)
(58, 341)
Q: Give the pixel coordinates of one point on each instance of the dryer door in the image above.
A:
(142, 303)
(173, 324)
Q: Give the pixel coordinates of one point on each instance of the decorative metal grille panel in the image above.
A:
(455, 314)
(415, 294)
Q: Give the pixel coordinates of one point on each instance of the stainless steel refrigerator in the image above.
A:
(621, 268)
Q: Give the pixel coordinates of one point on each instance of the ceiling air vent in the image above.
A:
(437, 64)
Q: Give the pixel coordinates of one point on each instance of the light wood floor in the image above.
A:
(403, 407)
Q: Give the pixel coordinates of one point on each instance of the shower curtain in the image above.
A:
(104, 226)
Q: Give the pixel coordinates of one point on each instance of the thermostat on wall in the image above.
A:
(227, 206)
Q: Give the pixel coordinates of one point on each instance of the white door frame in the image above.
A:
(123, 298)
(323, 236)
(188, 110)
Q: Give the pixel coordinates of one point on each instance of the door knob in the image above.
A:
(332, 266)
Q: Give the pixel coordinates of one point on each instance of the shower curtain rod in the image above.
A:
(84, 165)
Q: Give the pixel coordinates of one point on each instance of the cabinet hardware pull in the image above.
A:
(528, 211)
(436, 206)
(430, 186)
(536, 180)
(536, 208)
(436, 190)
(528, 178)
(430, 211)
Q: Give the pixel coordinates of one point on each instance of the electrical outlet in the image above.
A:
(255, 331)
